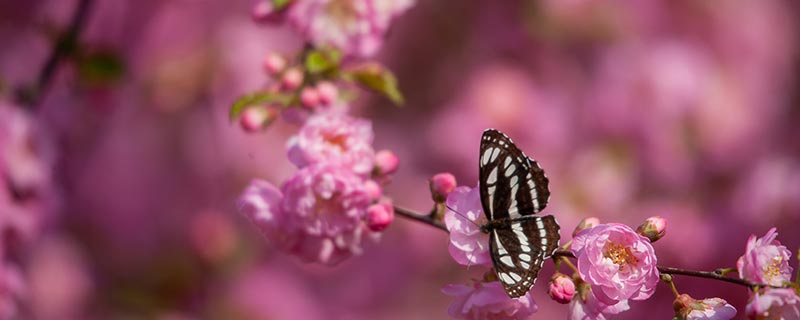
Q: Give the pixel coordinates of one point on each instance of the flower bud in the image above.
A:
(327, 92)
(586, 223)
(309, 97)
(274, 63)
(687, 308)
(386, 162)
(292, 79)
(653, 228)
(373, 189)
(561, 289)
(380, 216)
(254, 119)
(441, 184)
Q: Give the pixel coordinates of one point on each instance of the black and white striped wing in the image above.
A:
(511, 184)
(519, 250)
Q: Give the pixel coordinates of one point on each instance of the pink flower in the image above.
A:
(386, 162)
(561, 289)
(590, 308)
(356, 27)
(468, 245)
(379, 216)
(765, 260)
(687, 308)
(328, 93)
(318, 215)
(254, 119)
(334, 138)
(292, 79)
(274, 63)
(618, 263)
(309, 97)
(441, 184)
(776, 304)
(653, 228)
(487, 301)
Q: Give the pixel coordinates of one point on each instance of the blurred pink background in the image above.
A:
(684, 109)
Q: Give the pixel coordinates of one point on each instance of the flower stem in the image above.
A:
(718, 274)
(65, 45)
(668, 279)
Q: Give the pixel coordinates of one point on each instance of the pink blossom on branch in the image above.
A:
(356, 27)
(687, 308)
(586, 306)
(561, 288)
(617, 262)
(765, 260)
(336, 139)
(487, 301)
(317, 215)
(468, 245)
(783, 304)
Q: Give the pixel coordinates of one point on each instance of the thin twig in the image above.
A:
(64, 46)
(427, 219)
(716, 275)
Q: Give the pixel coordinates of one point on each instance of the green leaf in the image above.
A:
(320, 61)
(101, 67)
(375, 77)
(280, 4)
(257, 98)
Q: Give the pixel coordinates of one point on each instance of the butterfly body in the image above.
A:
(513, 189)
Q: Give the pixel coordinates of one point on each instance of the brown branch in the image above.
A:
(65, 45)
(715, 275)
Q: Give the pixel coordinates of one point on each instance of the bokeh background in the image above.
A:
(685, 109)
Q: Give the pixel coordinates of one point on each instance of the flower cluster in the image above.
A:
(356, 27)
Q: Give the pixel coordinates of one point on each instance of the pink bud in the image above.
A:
(309, 97)
(653, 228)
(586, 223)
(274, 63)
(380, 216)
(441, 185)
(562, 289)
(327, 92)
(292, 79)
(373, 189)
(386, 162)
(265, 12)
(253, 119)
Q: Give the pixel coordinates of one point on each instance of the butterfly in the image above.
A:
(513, 188)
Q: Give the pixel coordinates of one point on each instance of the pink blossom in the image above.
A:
(687, 308)
(356, 27)
(334, 138)
(380, 215)
(468, 245)
(441, 184)
(318, 215)
(618, 263)
(783, 304)
(386, 162)
(328, 93)
(253, 119)
(487, 301)
(591, 308)
(292, 79)
(274, 63)
(309, 97)
(561, 289)
(765, 260)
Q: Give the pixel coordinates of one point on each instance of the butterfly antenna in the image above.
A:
(463, 216)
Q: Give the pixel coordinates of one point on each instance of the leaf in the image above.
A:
(375, 77)
(320, 61)
(102, 67)
(280, 4)
(257, 98)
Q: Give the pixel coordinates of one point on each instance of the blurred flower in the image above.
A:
(274, 63)
(586, 223)
(318, 216)
(653, 228)
(253, 119)
(619, 263)
(328, 93)
(487, 301)
(386, 162)
(468, 245)
(783, 304)
(441, 185)
(292, 79)
(380, 215)
(687, 308)
(60, 280)
(561, 289)
(309, 97)
(334, 138)
(765, 260)
(586, 306)
(356, 27)
(374, 189)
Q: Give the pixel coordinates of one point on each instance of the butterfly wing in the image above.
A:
(519, 250)
(511, 184)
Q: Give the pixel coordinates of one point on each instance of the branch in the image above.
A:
(64, 46)
(716, 275)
